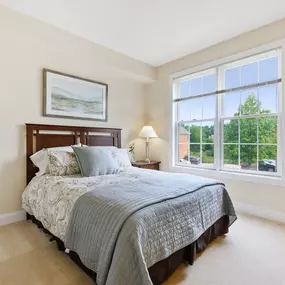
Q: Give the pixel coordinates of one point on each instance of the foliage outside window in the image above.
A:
(228, 117)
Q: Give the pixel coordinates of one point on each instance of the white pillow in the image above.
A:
(40, 158)
(121, 157)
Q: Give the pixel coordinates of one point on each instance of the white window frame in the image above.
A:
(190, 77)
(220, 172)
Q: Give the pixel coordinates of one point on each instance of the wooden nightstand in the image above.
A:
(142, 164)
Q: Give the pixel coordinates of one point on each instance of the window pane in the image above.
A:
(184, 111)
(231, 131)
(248, 157)
(184, 134)
(190, 110)
(196, 86)
(209, 83)
(249, 102)
(184, 87)
(267, 130)
(268, 69)
(195, 135)
(209, 107)
(195, 154)
(183, 153)
(249, 74)
(267, 158)
(195, 149)
(231, 104)
(248, 131)
(268, 98)
(196, 109)
(232, 78)
(208, 132)
(208, 154)
(231, 156)
(193, 157)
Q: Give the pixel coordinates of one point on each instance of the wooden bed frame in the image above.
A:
(45, 136)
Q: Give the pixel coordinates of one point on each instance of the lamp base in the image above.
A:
(147, 160)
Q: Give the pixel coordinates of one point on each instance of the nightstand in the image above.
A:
(142, 164)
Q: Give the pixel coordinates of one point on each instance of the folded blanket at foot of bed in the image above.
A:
(121, 230)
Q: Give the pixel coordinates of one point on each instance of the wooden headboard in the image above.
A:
(45, 136)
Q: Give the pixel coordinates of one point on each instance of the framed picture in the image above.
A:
(70, 96)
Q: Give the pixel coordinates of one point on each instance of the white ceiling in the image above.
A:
(154, 31)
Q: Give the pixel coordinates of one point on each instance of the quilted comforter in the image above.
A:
(120, 225)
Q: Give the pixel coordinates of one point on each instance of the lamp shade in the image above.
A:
(148, 132)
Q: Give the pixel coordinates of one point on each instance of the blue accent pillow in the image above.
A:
(94, 161)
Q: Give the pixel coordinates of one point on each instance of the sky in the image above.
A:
(204, 108)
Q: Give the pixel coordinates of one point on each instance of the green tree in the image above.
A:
(195, 140)
(262, 130)
(250, 131)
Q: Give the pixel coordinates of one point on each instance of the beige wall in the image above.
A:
(159, 111)
(26, 47)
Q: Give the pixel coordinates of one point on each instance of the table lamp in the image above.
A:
(147, 132)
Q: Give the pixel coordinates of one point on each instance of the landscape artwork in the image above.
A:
(74, 97)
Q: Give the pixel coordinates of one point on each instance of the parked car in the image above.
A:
(184, 161)
(193, 159)
(267, 165)
(245, 164)
(263, 165)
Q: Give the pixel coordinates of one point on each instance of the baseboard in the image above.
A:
(13, 217)
(260, 212)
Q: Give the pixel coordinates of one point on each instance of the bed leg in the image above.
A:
(60, 244)
(192, 253)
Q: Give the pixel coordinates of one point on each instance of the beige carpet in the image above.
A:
(253, 253)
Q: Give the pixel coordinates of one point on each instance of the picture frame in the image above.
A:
(69, 96)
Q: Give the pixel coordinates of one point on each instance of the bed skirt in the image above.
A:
(161, 270)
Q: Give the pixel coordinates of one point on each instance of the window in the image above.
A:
(228, 117)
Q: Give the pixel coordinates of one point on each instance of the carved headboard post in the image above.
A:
(119, 139)
(29, 151)
(45, 136)
(82, 137)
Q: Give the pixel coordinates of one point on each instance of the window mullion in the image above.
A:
(175, 159)
(257, 120)
(201, 149)
(281, 118)
(239, 142)
(201, 124)
(257, 144)
(218, 146)
(252, 116)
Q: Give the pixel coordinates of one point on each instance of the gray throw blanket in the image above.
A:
(120, 230)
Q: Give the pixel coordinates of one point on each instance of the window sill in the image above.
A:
(227, 175)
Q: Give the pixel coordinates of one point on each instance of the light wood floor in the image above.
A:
(253, 253)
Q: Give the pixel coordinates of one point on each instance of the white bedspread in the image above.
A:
(51, 198)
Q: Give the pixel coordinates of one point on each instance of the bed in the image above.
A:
(153, 238)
